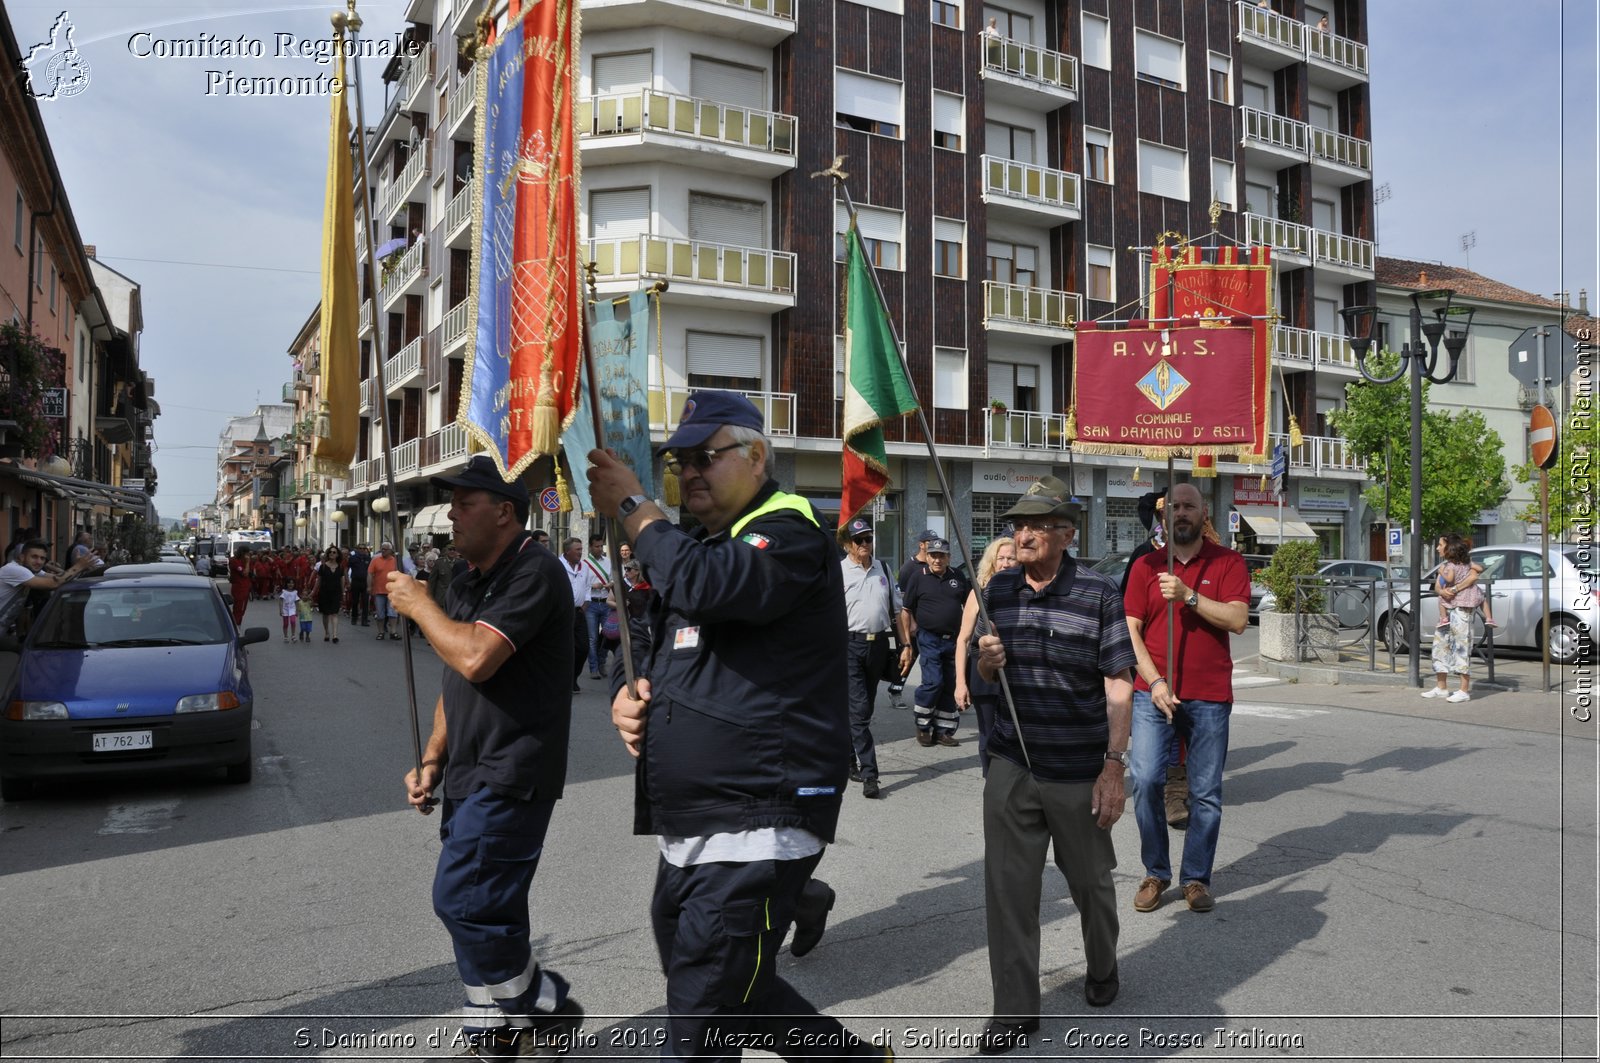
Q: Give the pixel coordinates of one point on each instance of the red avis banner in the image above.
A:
(1235, 283)
(1186, 390)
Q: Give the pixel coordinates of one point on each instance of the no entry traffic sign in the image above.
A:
(1542, 437)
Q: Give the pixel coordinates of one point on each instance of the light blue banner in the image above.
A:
(620, 352)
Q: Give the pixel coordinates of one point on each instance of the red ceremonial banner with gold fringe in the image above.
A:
(1186, 390)
(1236, 282)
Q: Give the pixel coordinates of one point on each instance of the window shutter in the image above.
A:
(620, 73)
(1159, 57)
(1163, 171)
(723, 354)
(949, 230)
(1096, 41)
(1000, 379)
(717, 220)
(947, 114)
(619, 212)
(867, 97)
(742, 86)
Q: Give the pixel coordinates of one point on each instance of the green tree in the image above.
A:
(1463, 467)
(1574, 479)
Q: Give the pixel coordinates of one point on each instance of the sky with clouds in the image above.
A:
(1484, 122)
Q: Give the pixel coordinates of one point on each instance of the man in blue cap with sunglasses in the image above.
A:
(741, 727)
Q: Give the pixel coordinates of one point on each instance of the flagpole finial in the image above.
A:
(836, 171)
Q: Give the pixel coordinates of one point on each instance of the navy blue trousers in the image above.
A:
(492, 846)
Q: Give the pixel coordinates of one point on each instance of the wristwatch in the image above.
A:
(626, 507)
(1193, 601)
(1118, 755)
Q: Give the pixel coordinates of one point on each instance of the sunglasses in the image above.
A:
(699, 459)
(862, 539)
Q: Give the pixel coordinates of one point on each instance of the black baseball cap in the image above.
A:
(857, 528)
(481, 474)
(927, 535)
(706, 411)
(938, 546)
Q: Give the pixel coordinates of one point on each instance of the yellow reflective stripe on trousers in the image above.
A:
(778, 501)
(767, 908)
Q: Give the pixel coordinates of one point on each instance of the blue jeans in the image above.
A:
(594, 615)
(936, 698)
(1204, 725)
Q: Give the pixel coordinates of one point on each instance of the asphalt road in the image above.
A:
(1394, 880)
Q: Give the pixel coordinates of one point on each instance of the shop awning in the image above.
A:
(1263, 520)
(84, 492)
(430, 520)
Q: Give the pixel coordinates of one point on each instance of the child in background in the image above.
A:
(288, 599)
(303, 610)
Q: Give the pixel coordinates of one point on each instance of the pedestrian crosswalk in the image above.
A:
(1275, 712)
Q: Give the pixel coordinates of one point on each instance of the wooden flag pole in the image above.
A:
(352, 21)
(839, 176)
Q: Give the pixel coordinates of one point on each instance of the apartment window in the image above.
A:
(83, 358)
(1254, 94)
(1015, 385)
(1222, 184)
(622, 72)
(1324, 215)
(1158, 59)
(1101, 274)
(1259, 199)
(731, 83)
(733, 222)
(949, 119)
(896, 6)
(52, 287)
(1009, 141)
(1321, 115)
(1096, 154)
(1221, 78)
(950, 378)
(38, 274)
(1010, 263)
(871, 105)
(723, 360)
(435, 408)
(1163, 171)
(1096, 42)
(943, 13)
(619, 213)
(881, 234)
(949, 238)
(22, 210)
(1013, 25)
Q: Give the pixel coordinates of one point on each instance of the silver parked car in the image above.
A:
(1347, 590)
(1512, 575)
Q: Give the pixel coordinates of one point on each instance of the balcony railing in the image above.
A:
(405, 458)
(1275, 130)
(775, 8)
(1336, 50)
(694, 262)
(1023, 305)
(1024, 428)
(459, 212)
(288, 391)
(1319, 453)
(396, 194)
(458, 322)
(1030, 62)
(1036, 184)
(408, 269)
(777, 408)
(1281, 235)
(358, 475)
(1341, 149)
(1334, 352)
(647, 111)
(461, 98)
(452, 442)
(364, 319)
(418, 67)
(1305, 42)
(403, 366)
(1337, 249)
(1291, 344)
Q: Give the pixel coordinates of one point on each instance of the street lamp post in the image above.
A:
(1449, 325)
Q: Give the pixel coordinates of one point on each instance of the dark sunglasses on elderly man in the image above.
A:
(699, 459)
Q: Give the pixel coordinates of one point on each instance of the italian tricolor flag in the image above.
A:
(875, 384)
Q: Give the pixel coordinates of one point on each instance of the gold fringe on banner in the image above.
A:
(546, 418)
(1295, 437)
(1072, 424)
(563, 492)
(1227, 452)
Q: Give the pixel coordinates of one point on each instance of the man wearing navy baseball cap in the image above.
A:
(872, 602)
(740, 723)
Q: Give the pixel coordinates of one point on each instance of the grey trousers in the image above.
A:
(1021, 816)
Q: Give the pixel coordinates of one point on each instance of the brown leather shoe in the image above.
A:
(924, 738)
(1148, 899)
(947, 740)
(1198, 896)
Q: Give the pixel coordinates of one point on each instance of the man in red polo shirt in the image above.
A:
(1210, 587)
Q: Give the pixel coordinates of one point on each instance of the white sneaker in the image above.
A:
(1460, 695)
(1434, 692)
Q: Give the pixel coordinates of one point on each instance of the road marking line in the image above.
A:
(1276, 712)
(1255, 680)
(147, 818)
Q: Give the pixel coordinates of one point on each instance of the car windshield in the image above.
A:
(104, 616)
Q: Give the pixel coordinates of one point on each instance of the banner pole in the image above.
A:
(933, 455)
(353, 21)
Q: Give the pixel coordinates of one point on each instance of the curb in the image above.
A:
(1333, 675)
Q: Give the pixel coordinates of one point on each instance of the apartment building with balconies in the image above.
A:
(1012, 163)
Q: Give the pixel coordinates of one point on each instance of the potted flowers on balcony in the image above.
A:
(28, 367)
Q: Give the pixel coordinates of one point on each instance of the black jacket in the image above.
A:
(748, 722)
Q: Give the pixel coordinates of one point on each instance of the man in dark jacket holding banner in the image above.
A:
(740, 726)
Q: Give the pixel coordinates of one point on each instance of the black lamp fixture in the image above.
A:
(1449, 325)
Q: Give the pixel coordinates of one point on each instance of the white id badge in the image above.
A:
(686, 638)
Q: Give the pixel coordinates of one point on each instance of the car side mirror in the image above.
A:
(252, 635)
